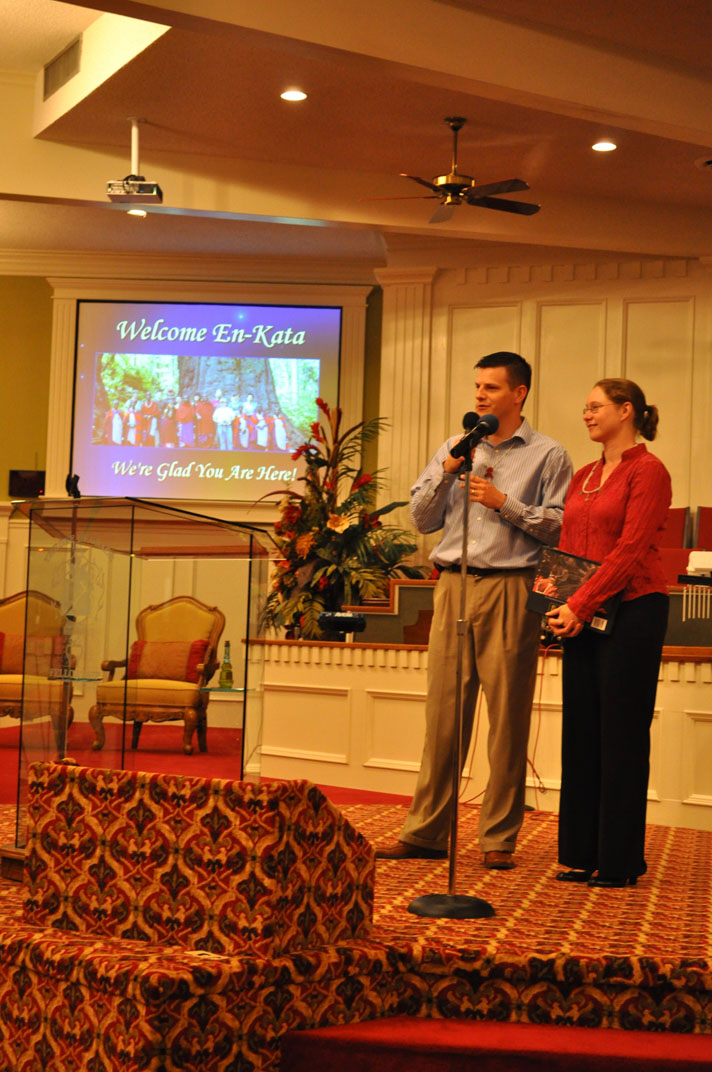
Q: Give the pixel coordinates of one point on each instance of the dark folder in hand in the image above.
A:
(558, 576)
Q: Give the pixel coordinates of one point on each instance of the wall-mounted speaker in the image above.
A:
(26, 483)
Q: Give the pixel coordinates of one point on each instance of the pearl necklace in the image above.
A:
(585, 490)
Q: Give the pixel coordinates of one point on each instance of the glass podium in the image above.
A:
(127, 608)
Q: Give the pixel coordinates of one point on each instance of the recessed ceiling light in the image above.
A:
(136, 212)
(293, 95)
(604, 146)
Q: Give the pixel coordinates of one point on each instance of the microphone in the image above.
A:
(485, 426)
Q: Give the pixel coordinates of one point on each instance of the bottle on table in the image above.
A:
(225, 679)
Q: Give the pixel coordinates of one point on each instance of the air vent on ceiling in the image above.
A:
(63, 67)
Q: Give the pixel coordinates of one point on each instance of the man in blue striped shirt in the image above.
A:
(515, 500)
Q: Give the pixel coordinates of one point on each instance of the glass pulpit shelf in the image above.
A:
(128, 607)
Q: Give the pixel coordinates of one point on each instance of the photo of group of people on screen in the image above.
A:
(210, 403)
(219, 423)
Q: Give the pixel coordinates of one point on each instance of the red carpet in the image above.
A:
(159, 751)
(404, 1044)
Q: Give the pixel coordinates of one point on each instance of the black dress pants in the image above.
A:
(609, 688)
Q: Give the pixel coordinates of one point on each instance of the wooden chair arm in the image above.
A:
(207, 669)
(110, 665)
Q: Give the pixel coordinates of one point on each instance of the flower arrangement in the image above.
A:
(334, 547)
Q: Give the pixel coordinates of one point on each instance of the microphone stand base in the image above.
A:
(450, 906)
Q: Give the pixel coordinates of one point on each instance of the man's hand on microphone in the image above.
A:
(482, 491)
(452, 465)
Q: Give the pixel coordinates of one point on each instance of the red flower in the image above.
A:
(316, 432)
(359, 482)
(323, 406)
(323, 583)
(299, 451)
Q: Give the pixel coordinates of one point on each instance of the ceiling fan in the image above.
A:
(456, 189)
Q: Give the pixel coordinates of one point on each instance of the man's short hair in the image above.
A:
(519, 371)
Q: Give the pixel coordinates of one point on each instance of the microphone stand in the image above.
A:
(451, 905)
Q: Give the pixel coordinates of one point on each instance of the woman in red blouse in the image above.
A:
(615, 509)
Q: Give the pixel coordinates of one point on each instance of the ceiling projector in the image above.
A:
(135, 189)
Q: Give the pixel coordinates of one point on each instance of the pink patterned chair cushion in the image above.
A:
(174, 660)
(37, 656)
(222, 866)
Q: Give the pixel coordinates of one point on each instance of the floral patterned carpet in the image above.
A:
(667, 915)
(562, 953)
(559, 953)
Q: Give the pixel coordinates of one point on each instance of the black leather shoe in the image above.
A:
(609, 882)
(403, 850)
(574, 876)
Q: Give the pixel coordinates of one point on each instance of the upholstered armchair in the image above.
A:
(172, 659)
(32, 662)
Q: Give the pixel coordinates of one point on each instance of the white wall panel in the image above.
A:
(656, 776)
(476, 331)
(223, 583)
(311, 733)
(571, 348)
(395, 726)
(697, 767)
(659, 339)
(323, 736)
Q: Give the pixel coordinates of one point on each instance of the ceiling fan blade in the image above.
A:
(522, 208)
(506, 186)
(454, 188)
(407, 197)
(423, 182)
(442, 212)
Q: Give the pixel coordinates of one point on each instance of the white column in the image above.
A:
(61, 387)
(405, 379)
(5, 511)
(353, 334)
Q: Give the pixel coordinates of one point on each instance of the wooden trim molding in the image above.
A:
(338, 645)
(685, 654)
(671, 653)
(192, 268)
(589, 272)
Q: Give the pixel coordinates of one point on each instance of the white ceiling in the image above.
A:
(237, 164)
(33, 32)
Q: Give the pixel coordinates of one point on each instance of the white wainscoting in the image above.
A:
(353, 716)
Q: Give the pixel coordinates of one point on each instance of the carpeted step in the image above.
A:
(407, 1044)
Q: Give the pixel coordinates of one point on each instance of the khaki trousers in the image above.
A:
(500, 654)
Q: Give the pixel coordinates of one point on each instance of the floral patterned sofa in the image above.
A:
(174, 923)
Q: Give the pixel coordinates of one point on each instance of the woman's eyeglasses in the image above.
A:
(595, 407)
